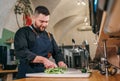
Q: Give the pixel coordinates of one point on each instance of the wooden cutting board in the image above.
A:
(69, 73)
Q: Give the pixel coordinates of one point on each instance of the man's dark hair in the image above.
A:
(42, 10)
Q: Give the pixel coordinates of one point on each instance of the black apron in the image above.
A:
(42, 47)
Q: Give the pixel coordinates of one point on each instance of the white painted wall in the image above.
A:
(5, 9)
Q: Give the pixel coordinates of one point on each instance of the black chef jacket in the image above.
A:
(26, 51)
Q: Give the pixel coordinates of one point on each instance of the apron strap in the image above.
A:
(34, 31)
(49, 35)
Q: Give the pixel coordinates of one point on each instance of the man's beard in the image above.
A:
(40, 28)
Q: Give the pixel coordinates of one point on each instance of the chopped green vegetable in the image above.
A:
(84, 70)
(57, 70)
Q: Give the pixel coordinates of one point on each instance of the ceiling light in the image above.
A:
(78, 2)
(83, 3)
(86, 23)
(85, 20)
(84, 28)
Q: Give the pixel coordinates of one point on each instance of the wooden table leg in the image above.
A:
(8, 77)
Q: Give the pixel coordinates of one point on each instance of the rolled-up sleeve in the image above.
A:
(21, 46)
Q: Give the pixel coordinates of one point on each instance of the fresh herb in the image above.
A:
(57, 70)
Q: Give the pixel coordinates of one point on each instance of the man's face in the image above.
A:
(41, 21)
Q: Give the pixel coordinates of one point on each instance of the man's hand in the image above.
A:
(47, 63)
(62, 64)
